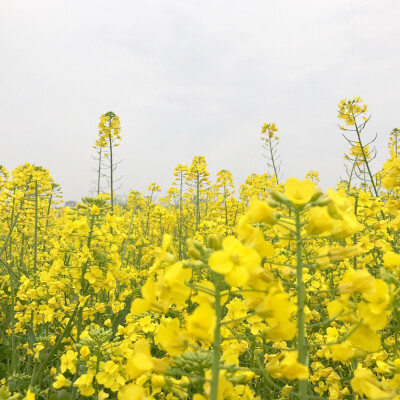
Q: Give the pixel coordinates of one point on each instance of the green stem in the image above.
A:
(197, 202)
(48, 215)
(111, 173)
(351, 175)
(79, 324)
(13, 344)
(36, 230)
(355, 235)
(366, 160)
(96, 395)
(99, 172)
(301, 301)
(273, 162)
(226, 207)
(217, 341)
(180, 216)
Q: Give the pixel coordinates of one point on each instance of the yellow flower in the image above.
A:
(95, 210)
(84, 384)
(357, 281)
(173, 289)
(85, 351)
(61, 381)
(158, 381)
(271, 128)
(146, 324)
(366, 339)
(254, 238)
(170, 337)
(366, 384)
(288, 368)
(131, 392)
(391, 259)
(261, 211)
(103, 395)
(201, 323)
(319, 221)
(277, 311)
(375, 321)
(379, 299)
(299, 192)
(346, 227)
(69, 361)
(29, 395)
(142, 361)
(149, 300)
(109, 376)
(235, 261)
(342, 351)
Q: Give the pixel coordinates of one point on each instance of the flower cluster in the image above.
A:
(265, 291)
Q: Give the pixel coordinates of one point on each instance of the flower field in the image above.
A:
(270, 290)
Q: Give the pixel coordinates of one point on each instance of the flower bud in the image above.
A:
(194, 250)
(214, 242)
(279, 197)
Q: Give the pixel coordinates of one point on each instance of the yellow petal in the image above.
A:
(220, 262)
(299, 192)
(238, 276)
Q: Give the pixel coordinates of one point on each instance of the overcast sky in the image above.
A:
(192, 78)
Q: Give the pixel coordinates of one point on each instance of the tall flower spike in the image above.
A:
(270, 142)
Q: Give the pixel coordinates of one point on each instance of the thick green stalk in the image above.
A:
(180, 216)
(161, 229)
(351, 175)
(367, 164)
(301, 302)
(99, 172)
(98, 355)
(226, 207)
(111, 173)
(48, 217)
(36, 230)
(366, 160)
(147, 229)
(13, 343)
(273, 162)
(197, 202)
(12, 274)
(355, 235)
(217, 341)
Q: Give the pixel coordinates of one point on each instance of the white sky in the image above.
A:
(192, 78)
